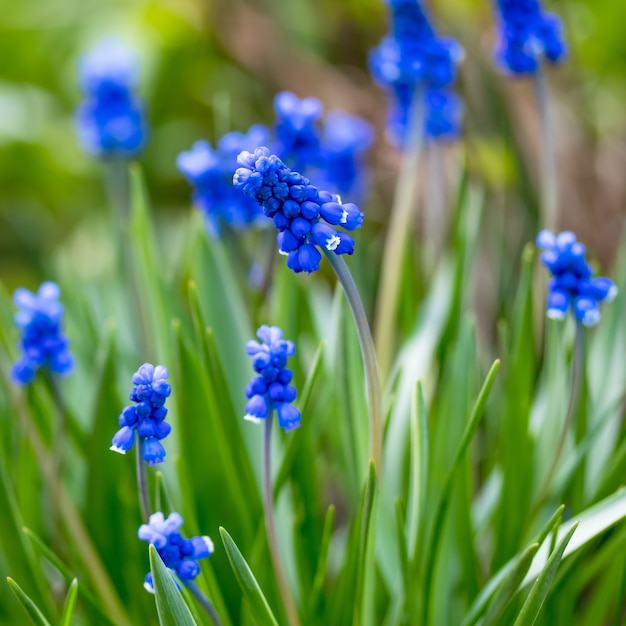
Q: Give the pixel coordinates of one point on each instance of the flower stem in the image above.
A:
(368, 353)
(574, 398)
(397, 233)
(205, 602)
(549, 189)
(142, 483)
(270, 527)
(59, 427)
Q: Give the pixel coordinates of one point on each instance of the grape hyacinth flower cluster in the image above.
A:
(526, 34)
(302, 214)
(572, 286)
(413, 56)
(146, 417)
(110, 121)
(298, 138)
(271, 389)
(180, 555)
(210, 174)
(345, 142)
(43, 344)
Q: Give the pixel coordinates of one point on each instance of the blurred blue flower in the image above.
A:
(572, 286)
(271, 389)
(210, 173)
(180, 555)
(110, 121)
(414, 55)
(42, 343)
(302, 215)
(297, 136)
(525, 34)
(344, 144)
(146, 417)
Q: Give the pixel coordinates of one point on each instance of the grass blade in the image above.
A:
(36, 616)
(70, 604)
(170, 604)
(539, 591)
(252, 592)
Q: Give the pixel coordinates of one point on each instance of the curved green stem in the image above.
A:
(205, 603)
(142, 483)
(270, 526)
(368, 353)
(574, 399)
(397, 234)
(549, 191)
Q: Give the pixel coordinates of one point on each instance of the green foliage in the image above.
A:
(454, 527)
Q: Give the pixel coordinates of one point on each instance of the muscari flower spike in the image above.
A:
(526, 34)
(43, 344)
(271, 389)
(298, 139)
(110, 121)
(572, 286)
(414, 55)
(180, 555)
(303, 215)
(146, 417)
(210, 174)
(345, 141)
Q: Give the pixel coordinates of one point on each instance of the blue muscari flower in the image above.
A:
(413, 54)
(302, 214)
(344, 144)
(110, 121)
(210, 174)
(146, 417)
(271, 389)
(572, 285)
(43, 343)
(298, 141)
(525, 34)
(180, 555)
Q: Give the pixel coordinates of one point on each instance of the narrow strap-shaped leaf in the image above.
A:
(320, 573)
(539, 591)
(364, 546)
(170, 604)
(419, 470)
(70, 604)
(35, 614)
(259, 607)
(432, 546)
(507, 590)
(67, 574)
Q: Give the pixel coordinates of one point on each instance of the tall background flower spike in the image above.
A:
(180, 555)
(572, 287)
(210, 172)
(43, 344)
(147, 417)
(330, 148)
(270, 390)
(110, 121)
(414, 57)
(303, 215)
(526, 35)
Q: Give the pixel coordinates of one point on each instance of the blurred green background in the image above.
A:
(211, 66)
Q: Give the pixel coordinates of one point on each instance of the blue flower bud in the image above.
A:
(153, 452)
